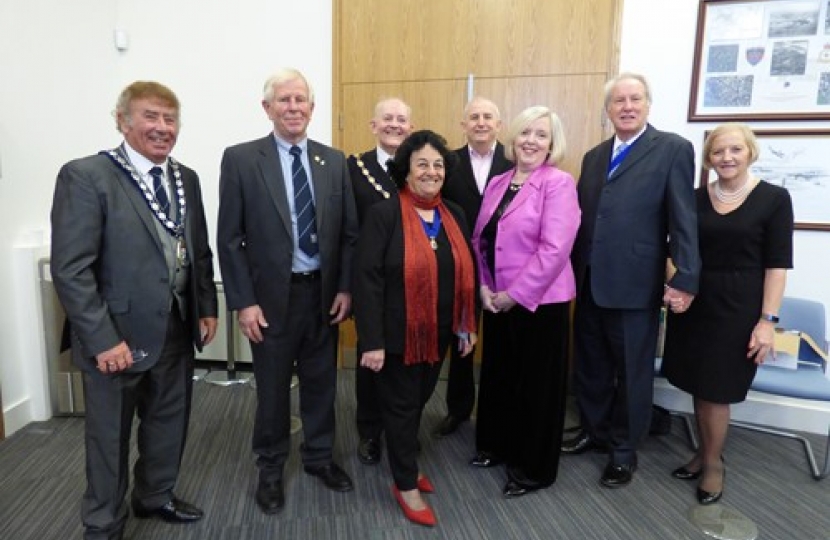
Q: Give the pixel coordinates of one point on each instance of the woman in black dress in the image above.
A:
(714, 345)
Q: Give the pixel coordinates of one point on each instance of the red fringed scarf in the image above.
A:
(421, 280)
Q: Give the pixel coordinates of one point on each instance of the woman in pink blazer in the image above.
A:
(522, 241)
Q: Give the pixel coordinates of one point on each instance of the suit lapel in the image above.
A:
(468, 177)
(500, 163)
(371, 163)
(489, 204)
(139, 203)
(641, 148)
(319, 179)
(271, 171)
(532, 185)
(189, 197)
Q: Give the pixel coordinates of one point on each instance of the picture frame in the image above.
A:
(798, 160)
(761, 60)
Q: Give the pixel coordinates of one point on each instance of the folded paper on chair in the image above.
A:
(793, 347)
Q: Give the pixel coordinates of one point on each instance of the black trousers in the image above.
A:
(160, 398)
(311, 342)
(367, 414)
(461, 385)
(521, 397)
(404, 391)
(614, 373)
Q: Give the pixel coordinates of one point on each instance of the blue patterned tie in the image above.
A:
(159, 191)
(613, 167)
(303, 205)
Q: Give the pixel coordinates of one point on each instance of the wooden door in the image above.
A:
(557, 53)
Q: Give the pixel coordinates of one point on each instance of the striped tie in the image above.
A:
(615, 162)
(159, 191)
(303, 205)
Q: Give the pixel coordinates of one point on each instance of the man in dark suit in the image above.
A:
(133, 269)
(390, 125)
(479, 160)
(637, 197)
(286, 235)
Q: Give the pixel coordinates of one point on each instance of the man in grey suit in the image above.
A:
(479, 161)
(286, 235)
(133, 269)
(637, 197)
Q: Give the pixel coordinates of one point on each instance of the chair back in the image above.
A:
(806, 316)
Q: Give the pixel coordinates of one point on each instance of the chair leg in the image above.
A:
(691, 432)
(815, 472)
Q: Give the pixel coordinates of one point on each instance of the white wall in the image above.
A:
(61, 73)
(664, 53)
(60, 76)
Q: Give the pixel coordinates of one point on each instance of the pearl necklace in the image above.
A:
(731, 197)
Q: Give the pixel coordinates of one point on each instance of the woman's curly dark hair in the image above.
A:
(398, 167)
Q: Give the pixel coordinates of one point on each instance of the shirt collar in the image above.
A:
(383, 157)
(286, 146)
(141, 163)
(629, 142)
(490, 152)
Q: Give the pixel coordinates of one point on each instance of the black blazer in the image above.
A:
(633, 221)
(254, 239)
(108, 263)
(379, 306)
(461, 187)
(370, 182)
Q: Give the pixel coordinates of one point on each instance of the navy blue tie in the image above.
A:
(303, 205)
(159, 191)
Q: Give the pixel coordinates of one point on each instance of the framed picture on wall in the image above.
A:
(799, 161)
(761, 60)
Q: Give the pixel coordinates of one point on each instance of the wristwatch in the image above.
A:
(770, 317)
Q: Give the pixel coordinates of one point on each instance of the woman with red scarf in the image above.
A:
(414, 295)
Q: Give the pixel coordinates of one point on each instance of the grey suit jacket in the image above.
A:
(108, 263)
(633, 221)
(254, 239)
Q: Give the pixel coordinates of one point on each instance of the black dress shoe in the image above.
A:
(332, 476)
(580, 444)
(514, 489)
(485, 460)
(710, 497)
(682, 473)
(368, 451)
(518, 483)
(617, 475)
(175, 511)
(270, 497)
(447, 426)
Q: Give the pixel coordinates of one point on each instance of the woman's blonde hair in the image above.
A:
(743, 129)
(527, 117)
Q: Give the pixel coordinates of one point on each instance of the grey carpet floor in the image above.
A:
(42, 479)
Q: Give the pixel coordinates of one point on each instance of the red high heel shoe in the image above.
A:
(424, 485)
(421, 517)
